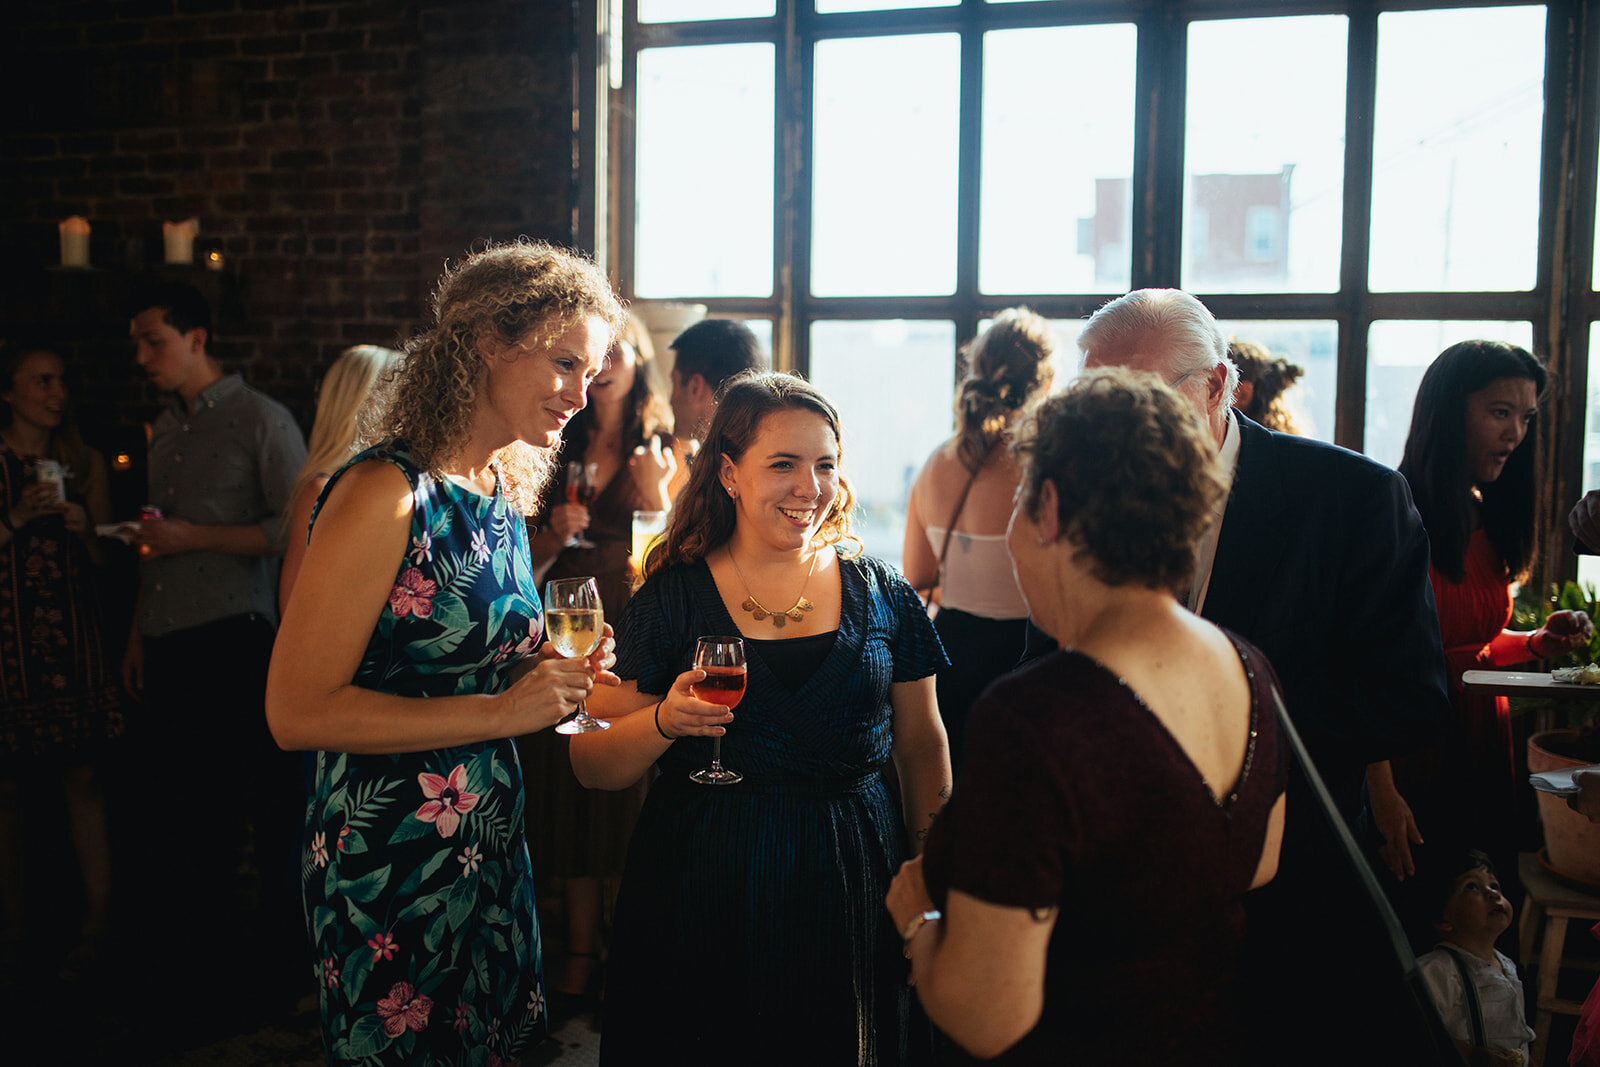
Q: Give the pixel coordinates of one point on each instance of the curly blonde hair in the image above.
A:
(526, 291)
(703, 517)
(1134, 470)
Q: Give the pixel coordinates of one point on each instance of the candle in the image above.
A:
(74, 241)
(179, 237)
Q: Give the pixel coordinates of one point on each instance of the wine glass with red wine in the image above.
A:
(582, 488)
(722, 658)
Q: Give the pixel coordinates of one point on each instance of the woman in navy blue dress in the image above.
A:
(748, 927)
(395, 662)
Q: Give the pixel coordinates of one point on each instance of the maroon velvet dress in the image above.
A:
(1075, 796)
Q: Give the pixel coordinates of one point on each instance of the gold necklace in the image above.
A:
(779, 618)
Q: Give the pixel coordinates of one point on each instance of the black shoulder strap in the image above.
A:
(1469, 992)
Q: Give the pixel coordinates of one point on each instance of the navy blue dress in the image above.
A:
(750, 920)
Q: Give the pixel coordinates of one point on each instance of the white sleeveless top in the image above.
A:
(977, 577)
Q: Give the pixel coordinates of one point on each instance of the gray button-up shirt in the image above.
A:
(230, 462)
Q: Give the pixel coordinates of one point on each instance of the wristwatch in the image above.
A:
(916, 922)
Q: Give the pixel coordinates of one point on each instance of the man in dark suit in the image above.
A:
(1318, 558)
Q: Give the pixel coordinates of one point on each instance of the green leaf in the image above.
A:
(463, 897)
(367, 887)
(411, 828)
(363, 922)
(352, 844)
(422, 874)
(357, 966)
(366, 1038)
(450, 612)
(499, 560)
(320, 918)
(501, 774)
(438, 647)
(423, 905)
(434, 933)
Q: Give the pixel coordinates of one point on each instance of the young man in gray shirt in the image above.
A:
(222, 461)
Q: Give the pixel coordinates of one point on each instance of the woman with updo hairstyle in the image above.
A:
(747, 928)
(1264, 381)
(955, 517)
(409, 658)
(1120, 795)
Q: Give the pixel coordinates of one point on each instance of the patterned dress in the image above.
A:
(59, 697)
(750, 925)
(417, 886)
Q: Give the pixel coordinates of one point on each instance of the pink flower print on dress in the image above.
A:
(319, 849)
(536, 1002)
(463, 1018)
(413, 595)
(447, 800)
(383, 947)
(421, 548)
(480, 546)
(469, 859)
(330, 972)
(404, 1009)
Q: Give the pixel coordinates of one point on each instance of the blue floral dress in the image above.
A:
(415, 875)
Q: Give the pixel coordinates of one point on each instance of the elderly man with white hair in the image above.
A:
(1318, 558)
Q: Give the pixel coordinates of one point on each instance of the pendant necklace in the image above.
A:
(760, 611)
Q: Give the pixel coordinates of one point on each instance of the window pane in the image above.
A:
(699, 10)
(1455, 170)
(1312, 346)
(704, 181)
(884, 159)
(1398, 353)
(1264, 167)
(888, 431)
(825, 7)
(1589, 566)
(1057, 212)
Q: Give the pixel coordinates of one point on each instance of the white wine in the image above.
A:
(575, 631)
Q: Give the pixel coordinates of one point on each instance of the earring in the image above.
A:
(733, 493)
(1040, 541)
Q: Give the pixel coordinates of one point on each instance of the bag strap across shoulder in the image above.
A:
(1469, 992)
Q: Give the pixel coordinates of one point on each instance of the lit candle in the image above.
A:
(179, 237)
(74, 241)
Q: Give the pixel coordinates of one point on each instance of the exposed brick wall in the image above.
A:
(336, 152)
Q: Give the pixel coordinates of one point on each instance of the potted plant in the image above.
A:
(1572, 842)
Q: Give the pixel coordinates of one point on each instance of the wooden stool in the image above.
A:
(1549, 903)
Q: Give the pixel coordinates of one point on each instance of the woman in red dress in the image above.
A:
(1469, 459)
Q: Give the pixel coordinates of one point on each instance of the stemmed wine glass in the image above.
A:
(582, 488)
(575, 623)
(722, 658)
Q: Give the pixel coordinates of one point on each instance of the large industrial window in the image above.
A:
(1354, 184)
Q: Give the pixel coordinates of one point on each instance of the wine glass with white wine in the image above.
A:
(575, 622)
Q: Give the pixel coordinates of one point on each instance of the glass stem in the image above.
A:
(716, 753)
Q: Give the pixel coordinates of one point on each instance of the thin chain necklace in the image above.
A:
(759, 611)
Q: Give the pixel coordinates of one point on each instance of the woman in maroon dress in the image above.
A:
(1120, 795)
(1469, 459)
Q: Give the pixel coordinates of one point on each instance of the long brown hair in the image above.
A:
(704, 516)
(66, 444)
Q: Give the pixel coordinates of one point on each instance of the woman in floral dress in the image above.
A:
(395, 662)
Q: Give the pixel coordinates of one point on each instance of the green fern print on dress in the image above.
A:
(415, 875)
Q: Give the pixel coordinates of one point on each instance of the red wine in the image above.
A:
(580, 494)
(721, 685)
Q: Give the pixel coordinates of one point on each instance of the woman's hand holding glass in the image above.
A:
(682, 714)
(549, 689)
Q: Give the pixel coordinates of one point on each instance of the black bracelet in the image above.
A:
(659, 730)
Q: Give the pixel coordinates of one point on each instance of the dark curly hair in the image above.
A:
(503, 293)
(1270, 377)
(1134, 471)
(703, 516)
(1007, 364)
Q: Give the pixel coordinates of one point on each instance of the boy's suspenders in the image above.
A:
(1469, 990)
